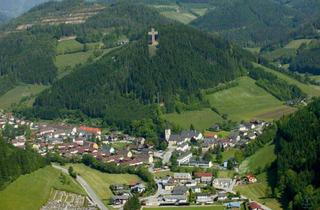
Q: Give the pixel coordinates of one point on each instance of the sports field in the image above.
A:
(247, 101)
(31, 191)
(201, 119)
(100, 182)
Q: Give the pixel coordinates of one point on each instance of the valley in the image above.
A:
(160, 104)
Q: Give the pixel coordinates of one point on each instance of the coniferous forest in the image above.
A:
(298, 162)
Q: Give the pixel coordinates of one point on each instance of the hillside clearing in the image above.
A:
(295, 44)
(15, 95)
(258, 192)
(31, 191)
(262, 158)
(247, 101)
(100, 182)
(201, 119)
(311, 90)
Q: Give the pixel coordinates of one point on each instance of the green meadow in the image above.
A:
(247, 101)
(100, 182)
(262, 158)
(15, 95)
(32, 191)
(201, 119)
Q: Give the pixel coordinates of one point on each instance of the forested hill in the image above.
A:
(298, 163)
(121, 86)
(28, 56)
(258, 22)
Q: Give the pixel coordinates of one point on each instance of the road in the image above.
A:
(96, 200)
(167, 155)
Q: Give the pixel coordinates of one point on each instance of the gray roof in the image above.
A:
(179, 190)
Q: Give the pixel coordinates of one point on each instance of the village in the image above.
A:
(177, 188)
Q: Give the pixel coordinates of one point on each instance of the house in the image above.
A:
(182, 177)
(183, 147)
(233, 205)
(174, 200)
(119, 199)
(180, 190)
(255, 206)
(251, 178)
(204, 199)
(169, 186)
(200, 163)
(204, 177)
(184, 158)
(222, 196)
(195, 189)
(222, 183)
(138, 188)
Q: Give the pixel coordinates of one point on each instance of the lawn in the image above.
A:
(262, 158)
(217, 207)
(100, 182)
(258, 191)
(69, 46)
(16, 94)
(163, 174)
(311, 90)
(229, 153)
(247, 101)
(31, 191)
(201, 119)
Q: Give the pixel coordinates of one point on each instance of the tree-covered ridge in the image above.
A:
(119, 83)
(298, 163)
(27, 57)
(307, 59)
(15, 162)
(253, 22)
(276, 86)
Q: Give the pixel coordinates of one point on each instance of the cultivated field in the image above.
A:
(262, 158)
(31, 191)
(100, 182)
(14, 95)
(247, 101)
(258, 191)
(201, 119)
(69, 46)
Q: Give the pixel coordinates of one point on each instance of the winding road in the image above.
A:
(93, 196)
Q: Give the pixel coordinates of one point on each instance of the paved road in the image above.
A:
(86, 187)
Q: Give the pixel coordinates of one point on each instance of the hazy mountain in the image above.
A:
(17, 7)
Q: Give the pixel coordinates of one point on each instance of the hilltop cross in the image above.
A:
(153, 35)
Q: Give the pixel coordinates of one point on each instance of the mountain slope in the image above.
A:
(298, 160)
(251, 21)
(131, 79)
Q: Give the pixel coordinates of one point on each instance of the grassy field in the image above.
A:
(100, 182)
(69, 46)
(181, 16)
(295, 44)
(64, 60)
(258, 191)
(281, 52)
(163, 174)
(16, 94)
(262, 158)
(228, 153)
(311, 90)
(247, 101)
(200, 119)
(217, 207)
(31, 191)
